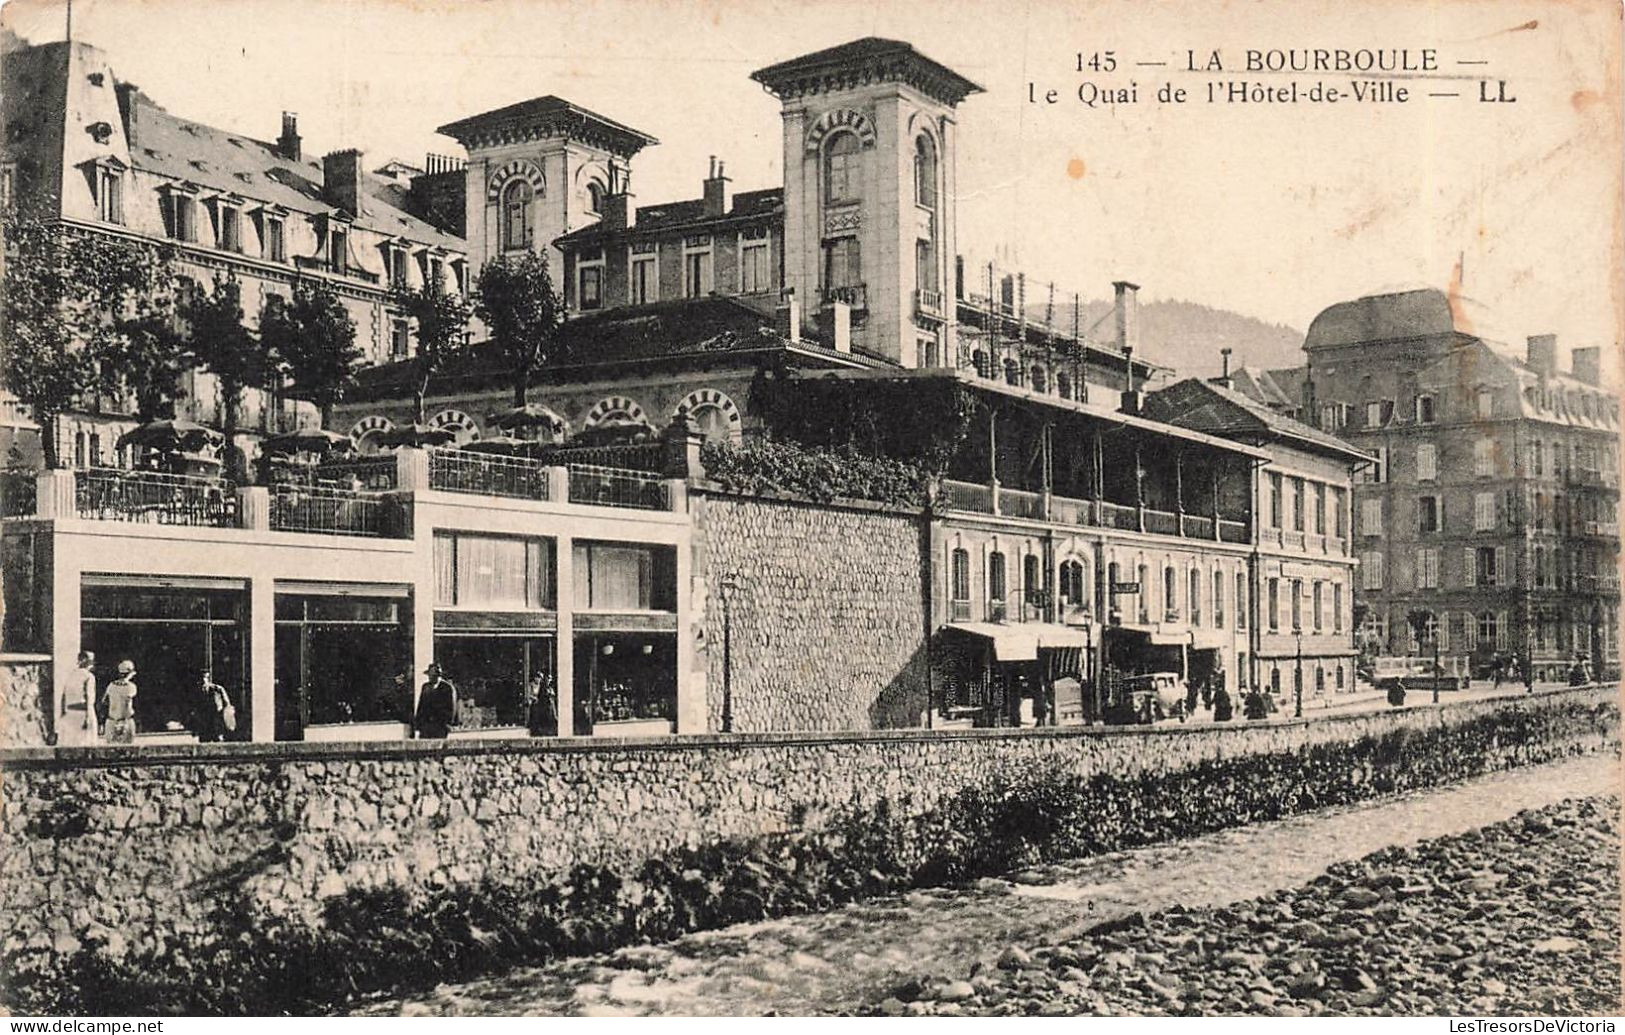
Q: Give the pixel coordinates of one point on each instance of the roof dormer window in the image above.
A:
(108, 176)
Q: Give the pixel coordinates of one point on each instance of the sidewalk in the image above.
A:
(1367, 699)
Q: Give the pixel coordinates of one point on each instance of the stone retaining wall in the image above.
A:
(24, 700)
(133, 851)
(827, 615)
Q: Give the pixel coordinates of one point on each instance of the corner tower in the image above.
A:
(537, 170)
(869, 148)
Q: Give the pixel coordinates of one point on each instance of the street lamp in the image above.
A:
(1297, 681)
(725, 589)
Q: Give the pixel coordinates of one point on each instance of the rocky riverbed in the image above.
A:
(1521, 917)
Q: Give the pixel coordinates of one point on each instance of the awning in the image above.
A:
(1155, 633)
(1010, 642)
(1056, 637)
(1208, 639)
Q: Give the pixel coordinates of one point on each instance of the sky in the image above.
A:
(1271, 210)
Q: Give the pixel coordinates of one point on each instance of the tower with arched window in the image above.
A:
(539, 169)
(869, 137)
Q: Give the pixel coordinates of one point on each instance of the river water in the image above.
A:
(835, 962)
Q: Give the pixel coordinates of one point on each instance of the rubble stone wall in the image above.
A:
(128, 850)
(826, 623)
(25, 701)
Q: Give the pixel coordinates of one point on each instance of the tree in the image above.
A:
(221, 345)
(312, 337)
(442, 321)
(522, 312)
(84, 313)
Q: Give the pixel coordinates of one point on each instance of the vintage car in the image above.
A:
(1147, 698)
(1418, 673)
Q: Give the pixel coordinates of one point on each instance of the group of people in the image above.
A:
(107, 715)
(436, 710)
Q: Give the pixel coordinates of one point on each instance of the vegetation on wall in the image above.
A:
(817, 474)
(392, 940)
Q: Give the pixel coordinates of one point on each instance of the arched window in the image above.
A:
(1073, 583)
(842, 169)
(1145, 594)
(1218, 600)
(925, 172)
(1111, 585)
(1063, 386)
(996, 589)
(1196, 597)
(516, 199)
(978, 359)
(1030, 586)
(1040, 379)
(1012, 372)
(1170, 592)
(595, 197)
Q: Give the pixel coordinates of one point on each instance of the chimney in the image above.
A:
(837, 326)
(1126, 309)
(287, 145)
(716, 191)
(1223, 380)
(787, 317)
(1587, 365)
(1542, 355)
(959, 277)
(618, 212)
(341, 180)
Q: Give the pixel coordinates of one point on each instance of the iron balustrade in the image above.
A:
(114, 494)
(854, 295)
(19, 491)
(456, 470)
(1020, 503)
(325, 510)
(967, 496)
(1232, 531)
(613, 487)
(373, 473)
(1195, 526)
(1115, 515)
(1161, 522)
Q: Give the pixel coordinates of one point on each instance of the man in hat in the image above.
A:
(437, 706)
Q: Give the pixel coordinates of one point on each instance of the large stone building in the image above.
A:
(1492, 505)
(105, 158)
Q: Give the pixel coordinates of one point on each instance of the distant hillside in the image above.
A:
(1188, 336)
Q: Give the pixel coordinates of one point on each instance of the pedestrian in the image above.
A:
(437, 706)
(1497, 671)
(216, 716)
(76, 726)
(1223, 710)
(543, 716)
(121, 705)
(1256, 706)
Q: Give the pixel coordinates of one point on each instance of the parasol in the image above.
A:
(414, 435)
(306, 440)
(171, 436)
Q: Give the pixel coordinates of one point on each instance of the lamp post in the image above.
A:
(1438, 674)
(1297, 678)
(725, 589)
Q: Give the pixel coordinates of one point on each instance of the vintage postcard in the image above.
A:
(739, 508)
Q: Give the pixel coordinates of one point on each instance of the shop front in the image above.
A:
(343, 661)
(173, 630)
(626, 682)
(1023, 674)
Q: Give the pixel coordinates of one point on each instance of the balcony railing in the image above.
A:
(457, 470)
(112, 494)
(1194, 526)
(1292, 540)
(967, 496)
(1115, 515)
(1020, 503)
(329, 511)
(928, 303)
(610, 487)
(373, 473)
(959, 611)
(1232, 531)
(18, 493)
(854, 295)
(1161, 522)
(997, 610)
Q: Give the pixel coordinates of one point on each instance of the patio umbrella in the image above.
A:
(499, 445)
(617, 432)
(307, 440)
(414, 435)
(171, 436)
(529, 415)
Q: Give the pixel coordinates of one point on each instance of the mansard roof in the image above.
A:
(547, 117)
(674, 217)
(863, 61)
(167, 145)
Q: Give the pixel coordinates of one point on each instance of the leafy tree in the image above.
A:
(221, 345)
(516, 301)
(312, 337)
(84, 313)
(442, 321)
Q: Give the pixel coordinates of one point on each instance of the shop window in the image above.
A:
(493, 572)
(625, 684)
(173, 630)
(343, 656)
(625, 577)
(502, 680)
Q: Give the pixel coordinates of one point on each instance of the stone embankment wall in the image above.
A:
(24, 700)
(827, 615)
(124, 861)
